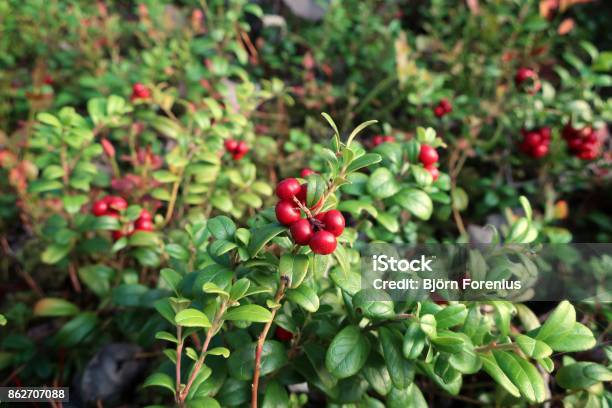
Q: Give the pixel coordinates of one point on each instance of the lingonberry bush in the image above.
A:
(180, 225)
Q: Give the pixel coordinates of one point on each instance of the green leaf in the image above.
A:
(358, 129)
(492, 368)
(76, 330)
(389, 221)
(362, 161)
(3, 320)
(171, 277)
(374, 304)
(249, 313)
(165, 126)
(294, 267)
(523, 375)
(242, 361)
(580, 338)
(48, 119)
(239, 289)
(305, 297)
(191, 318)
(406, 397)
(52, 307)
(262, 235)
(560, 322)
(160, 380)
(219, 351)
(582, 375)
(400, 369)
(533, 348)
(451, 316)
(97, 278)
(376, 374)
(55, 253)
(163, 335)
(415, 201)
(414, 341)
(428, 324)
(276, 396)
(347, 352)
(222, 227)
(382, 184)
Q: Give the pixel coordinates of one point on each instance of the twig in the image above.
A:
(209, 335)
(262, 338)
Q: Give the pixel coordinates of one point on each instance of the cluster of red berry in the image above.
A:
(443, 107)
(307, 172)
(428, 156)
(112, 206)
(238, 149)
(319, 231)
(582, 143)
(528, 80)
(139, 91)
(535, 142)
(380, 139)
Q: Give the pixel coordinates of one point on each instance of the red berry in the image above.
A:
(333, 221)
(323, 243)
(287, 189)
(445, 105)
(287, 213)
(99, 208)
(307, 172)
(231, 145)
(282, 334)
(117, 203)
(143, 225)
(540, 151)
(145, 215)
(377, 140)
(545, 133)
(439, 111)
(117, 235)
(574, 144)
(523, 74)
(428, 155)
(388, 139)
(433, 170)
(589, 154)
(533, 139)
(301, 231)
(242, 147)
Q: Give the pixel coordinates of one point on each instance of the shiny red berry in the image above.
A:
(287, 213)
(388, 139)
(334, 222)
(540, 151)
(145, 215)
(301, 231)
(377, 140)
(439, 111)
(282, 334)
(545, 133)
(287, 189)
(428, 155)
(143, 225)
(446, 105)
(307, 172)
(433, 170)
(231, 145)
(99, 208)
(242, 147)
(533, 139)
(323, 243)
(117, 203)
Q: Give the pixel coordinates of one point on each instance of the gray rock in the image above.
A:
(110, 372)
(306, 9)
